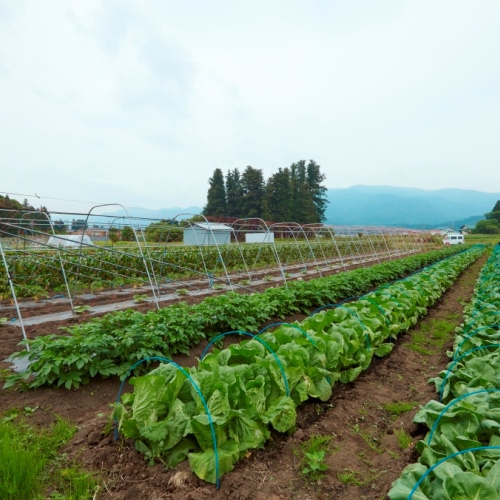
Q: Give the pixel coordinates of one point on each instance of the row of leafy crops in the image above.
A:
(214, 413)
(38, 271)
(111, 344)
(460, 455)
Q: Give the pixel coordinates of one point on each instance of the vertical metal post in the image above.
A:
(13, 291)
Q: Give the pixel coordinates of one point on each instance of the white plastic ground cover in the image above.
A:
(70, 241)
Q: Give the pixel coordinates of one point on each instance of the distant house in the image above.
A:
(466, 229)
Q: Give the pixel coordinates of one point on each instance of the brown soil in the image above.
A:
(355, 410)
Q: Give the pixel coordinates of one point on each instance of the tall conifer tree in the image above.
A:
(278, 203)
(216, 197)
(234, 194)
(318, 192)
(252, 182)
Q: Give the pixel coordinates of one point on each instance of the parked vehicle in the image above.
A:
(453, 239)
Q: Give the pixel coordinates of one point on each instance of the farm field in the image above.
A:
(363, 421)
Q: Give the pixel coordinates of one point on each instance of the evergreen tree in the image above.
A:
(252, 183)
(216, 197)
(234, 194)
(317, 190)
(304, 210)
(494, 215)
(277, 202)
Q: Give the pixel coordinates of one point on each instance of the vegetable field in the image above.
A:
(316, 407)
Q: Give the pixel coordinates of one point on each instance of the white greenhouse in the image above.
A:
(207, 233)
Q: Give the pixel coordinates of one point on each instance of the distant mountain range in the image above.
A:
(408, 207)
(381, 205)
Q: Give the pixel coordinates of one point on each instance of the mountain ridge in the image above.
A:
(379, 205)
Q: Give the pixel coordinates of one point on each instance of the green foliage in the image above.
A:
(492, 223)
(292, 194)
(399, 407)
(37, 274)
(82, 309)
(111, 344)
(404, 439)
(312, 455)
(252, 188)
(487, 227)
(471, 422)
(127, 234)
(165, 231)
(257, 384)
(30, 464)
(216, 197)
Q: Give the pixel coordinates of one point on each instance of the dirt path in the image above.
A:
(363, 457)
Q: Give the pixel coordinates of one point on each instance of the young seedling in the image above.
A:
(404, 439)
(312, 454)
(399, 407)
(140, 298)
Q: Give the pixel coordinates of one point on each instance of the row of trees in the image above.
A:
(294, 194)
(22, 218)
(492, 223)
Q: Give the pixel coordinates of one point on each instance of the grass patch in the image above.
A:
(370, 440)
(358, 478)
(32, 468)
(404, 439)
(399, 407)
(312, 454)
(432, 335)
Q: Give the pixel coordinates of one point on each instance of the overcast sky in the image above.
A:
(137, 102)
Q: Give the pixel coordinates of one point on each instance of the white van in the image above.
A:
(453, 239)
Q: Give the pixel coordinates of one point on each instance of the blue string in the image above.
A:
(292, 326)
(207, 411)
(457, 360)
(437, 464)
(455, 401)
(485, 314)
(477, 330)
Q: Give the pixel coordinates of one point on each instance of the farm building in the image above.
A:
(207, 233)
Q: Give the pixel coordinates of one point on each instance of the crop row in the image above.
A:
(460, 455)
(111, 344)
(39, 272)
(214, 413)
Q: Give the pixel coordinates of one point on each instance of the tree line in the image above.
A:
(292, 194)
(18, 219)
(491, 225)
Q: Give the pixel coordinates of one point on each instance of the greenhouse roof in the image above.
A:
(212, 226)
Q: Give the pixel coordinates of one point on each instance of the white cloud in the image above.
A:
(138, 102)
